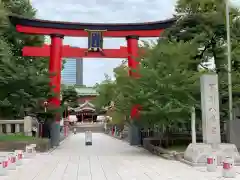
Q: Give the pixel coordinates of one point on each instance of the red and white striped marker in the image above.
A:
(19, 157)
(11, 161)
(3, 166)
(211, 163)
(228, 168)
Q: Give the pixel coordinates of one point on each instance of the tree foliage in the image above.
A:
(169, 84)
(106, 89)
(70, 96)
(166, 90)
(24, 82)
(204, 22)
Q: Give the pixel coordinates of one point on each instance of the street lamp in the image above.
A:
(229, 58)
(42, 121)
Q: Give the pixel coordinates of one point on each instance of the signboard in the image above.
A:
(95, 40)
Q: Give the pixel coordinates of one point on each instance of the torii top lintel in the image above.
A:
(45, 27)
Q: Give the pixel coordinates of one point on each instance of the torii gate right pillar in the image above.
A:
(132, 47)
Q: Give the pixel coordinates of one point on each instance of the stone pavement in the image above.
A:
(106, 159)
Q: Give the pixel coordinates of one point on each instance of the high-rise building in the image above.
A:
(79, 71)
(73, 72)
(69, 72)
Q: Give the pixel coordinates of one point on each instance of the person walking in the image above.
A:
(34, 131)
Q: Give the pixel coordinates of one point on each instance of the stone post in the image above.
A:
(28, 126)
(17, 128)
(193, 125)
(1, 129)
(8, 128)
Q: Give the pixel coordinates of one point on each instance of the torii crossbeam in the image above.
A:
(75, 52)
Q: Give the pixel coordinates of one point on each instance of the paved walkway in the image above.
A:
(107, 159)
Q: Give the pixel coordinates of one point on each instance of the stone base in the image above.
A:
(55, 134)
(196, 154)
(134, 135)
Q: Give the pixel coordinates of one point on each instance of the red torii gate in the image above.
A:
(95, 33)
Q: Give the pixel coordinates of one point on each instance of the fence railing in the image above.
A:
(175, 136)
(11, 126)
(180, 134)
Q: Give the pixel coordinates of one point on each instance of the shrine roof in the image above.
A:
(86, 106)
(18, 20)
(79, 109)
(86, 91)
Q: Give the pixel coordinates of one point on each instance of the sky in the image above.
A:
(102, 11)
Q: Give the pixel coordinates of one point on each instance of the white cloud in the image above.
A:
(102, 11)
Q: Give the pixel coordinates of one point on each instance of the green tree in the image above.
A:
(24, 82)
(125, 91)
(70, 96)
(166, 89)
(203, 22)
(106, 91)
(169, 83)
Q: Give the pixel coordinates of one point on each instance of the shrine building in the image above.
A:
(86, 111)
(86, 94)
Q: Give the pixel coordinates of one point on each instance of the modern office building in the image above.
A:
(79, 71)
(73, 72)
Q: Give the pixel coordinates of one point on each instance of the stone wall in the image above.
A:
(11, 126)
(19, 126)
(43, 145)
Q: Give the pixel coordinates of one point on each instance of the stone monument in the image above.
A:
(196, 153)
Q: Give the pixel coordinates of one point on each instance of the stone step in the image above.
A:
(88, 128)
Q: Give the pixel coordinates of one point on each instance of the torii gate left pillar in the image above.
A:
(55, 67)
